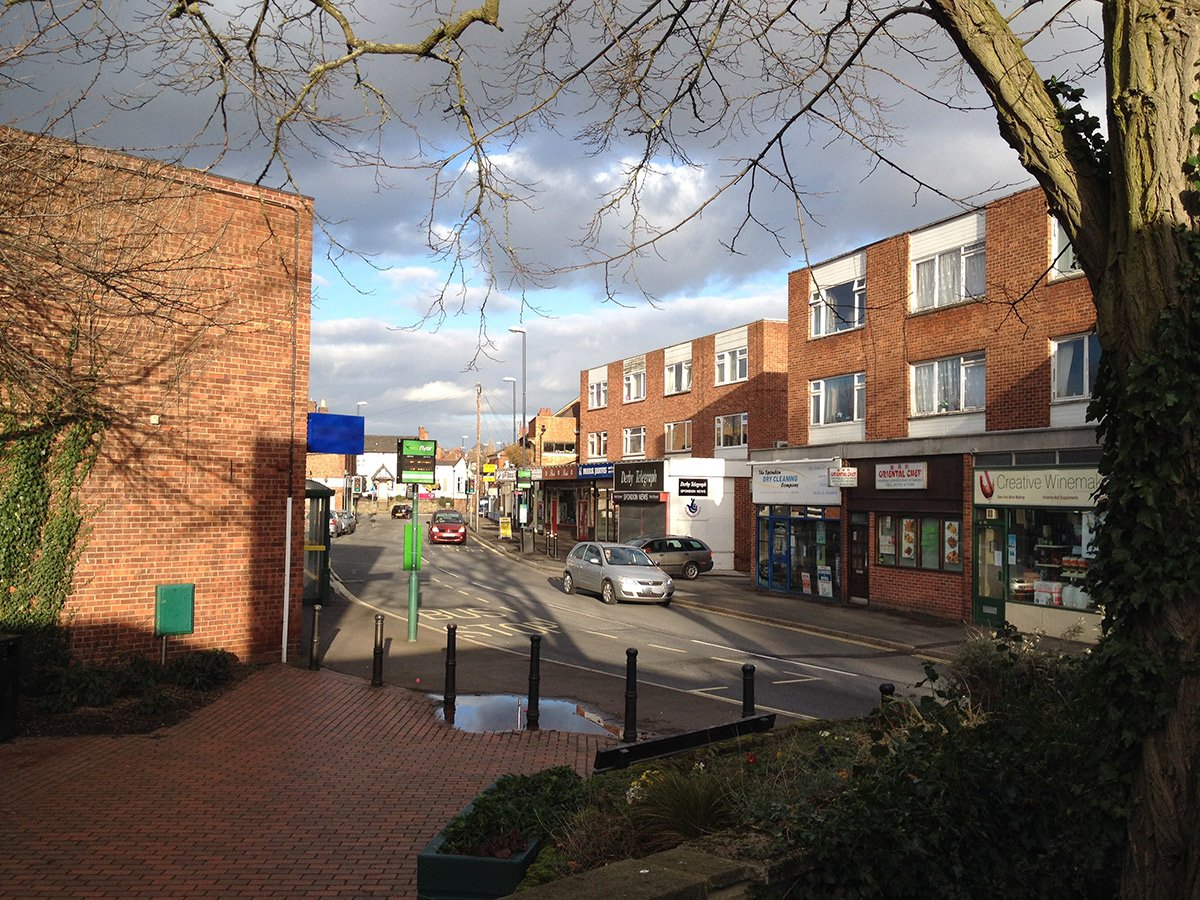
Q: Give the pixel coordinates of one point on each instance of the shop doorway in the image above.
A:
(860, 543)
(990, 541)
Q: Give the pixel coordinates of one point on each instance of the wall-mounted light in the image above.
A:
(155, 419)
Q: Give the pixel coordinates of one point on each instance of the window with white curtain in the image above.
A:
(598, 395)
(1063, 259)
(839, 399)
(635, 441)
(949, 277)
(677, 377)
(953, 384)
(733, 365)
(1074, 362)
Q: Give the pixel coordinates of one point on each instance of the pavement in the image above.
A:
(311, 782)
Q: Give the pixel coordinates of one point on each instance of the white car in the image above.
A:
(616, 572)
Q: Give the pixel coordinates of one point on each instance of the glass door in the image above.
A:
(990, 543)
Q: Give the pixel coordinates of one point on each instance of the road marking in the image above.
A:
(800, 680)
(722, 687)
(779, 659)
(734, 662)
(671, 649)
(603, 635)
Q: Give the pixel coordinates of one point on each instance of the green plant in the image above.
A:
(676, 806)
(513, 810)
(155, 701)
(200, 670)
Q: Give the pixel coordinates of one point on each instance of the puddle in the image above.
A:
(507, 712)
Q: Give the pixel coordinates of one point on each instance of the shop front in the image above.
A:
(798, 527)
(595, 518)
(1034, 532)
(638, 491)
(557, 502)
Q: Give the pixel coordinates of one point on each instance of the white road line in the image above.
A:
(800, 680)
(612, 637)
(723, 687)
(779, 659)
(735, 662)
(671, 649)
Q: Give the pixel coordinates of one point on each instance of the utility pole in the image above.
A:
(478, 450)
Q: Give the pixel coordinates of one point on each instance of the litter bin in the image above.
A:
(10, 680)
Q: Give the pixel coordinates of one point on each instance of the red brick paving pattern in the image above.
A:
(296, 783)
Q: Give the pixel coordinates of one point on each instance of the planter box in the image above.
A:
(448, 876)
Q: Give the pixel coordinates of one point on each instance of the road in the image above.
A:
(498, 602)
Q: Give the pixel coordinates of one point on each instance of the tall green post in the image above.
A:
(414, 587)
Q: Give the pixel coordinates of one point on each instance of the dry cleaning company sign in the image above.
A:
(797, 483)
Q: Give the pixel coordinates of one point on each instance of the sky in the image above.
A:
(376, 349)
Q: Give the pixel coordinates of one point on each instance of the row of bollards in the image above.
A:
(532, 715)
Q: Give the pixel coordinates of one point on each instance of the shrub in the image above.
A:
(200, 670)
(672, 807)
(512, 811)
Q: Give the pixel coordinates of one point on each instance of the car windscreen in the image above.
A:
(444, 518)
(626, 556)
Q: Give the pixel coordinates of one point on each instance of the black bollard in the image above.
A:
(747, 690)
(314, 653)
(451, 692)
(535, 662)
(630, 736)
(887, 693)
(377, 657)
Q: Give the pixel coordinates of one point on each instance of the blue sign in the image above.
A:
(328, 433)
(595, 470)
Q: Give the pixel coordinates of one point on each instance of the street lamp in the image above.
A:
(519, 329)
(513, 382)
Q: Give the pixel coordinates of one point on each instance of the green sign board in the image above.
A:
(524, 478)
(416, 461)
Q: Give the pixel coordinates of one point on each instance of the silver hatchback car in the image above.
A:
(616, 572)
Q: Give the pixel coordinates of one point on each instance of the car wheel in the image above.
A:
(690, 570)
(607, 593)
(568, 583)
(666, 602)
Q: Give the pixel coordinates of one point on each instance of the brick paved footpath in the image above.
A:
(295, 783)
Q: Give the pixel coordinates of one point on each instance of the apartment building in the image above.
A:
(939, 457)
(665, 438)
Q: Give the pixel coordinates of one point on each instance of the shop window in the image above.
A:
(1049, 554)
(949, 277)
(1075, 362)
(678, 438)
(954, 384)
(930, 542)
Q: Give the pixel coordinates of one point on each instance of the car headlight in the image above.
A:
(669, 583)
(629, 585)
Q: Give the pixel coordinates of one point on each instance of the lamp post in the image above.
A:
(462, 454)
(358, 407)
(520, 329)
(513, 382)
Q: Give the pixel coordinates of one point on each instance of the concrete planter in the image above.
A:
(449, 876)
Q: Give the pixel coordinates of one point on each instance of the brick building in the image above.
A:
(951, 367)
(200, 481)
(681, 421)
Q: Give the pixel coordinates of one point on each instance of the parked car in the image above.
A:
(616, 572)
(447, 526)
(347, 521)
(679, 554)
(335, 525)
(401, 510)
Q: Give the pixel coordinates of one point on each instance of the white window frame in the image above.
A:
(823, 316)
(597, 445)
(677, 377)
(819, 393)
(727, 427)
(669, 434)
(633, 441)
(635, 386)
(956, 260)
(733, 365)
(940, 370)
(1063, 261)
(1089, 346)
(598, 395)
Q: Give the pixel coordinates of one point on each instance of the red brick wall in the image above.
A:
(200, 498)
(1022, 312)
